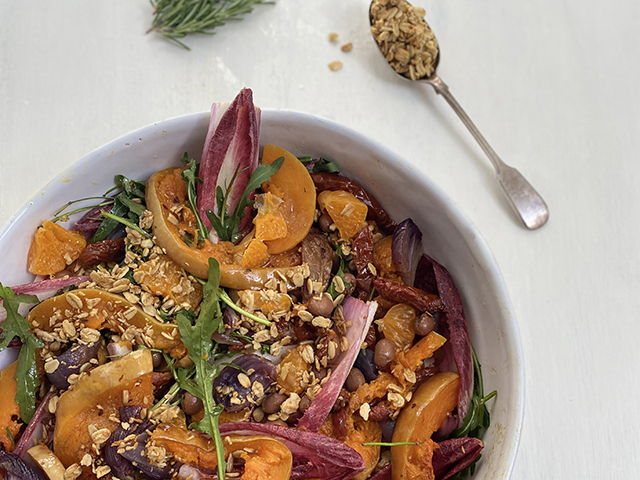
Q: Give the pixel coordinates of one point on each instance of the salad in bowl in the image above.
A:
(252, 313)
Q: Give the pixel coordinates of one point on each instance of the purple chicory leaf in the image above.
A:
(454, 329)
(34, 427)
(361, 316)
(71, 361)
(257, 369)
(454, 455)
(406, 250)
(12, 467)
(314, 455)
(231, 144)
(383, 474)
(43, 290)
(90, 221)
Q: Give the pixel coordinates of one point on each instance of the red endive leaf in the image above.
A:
(455, 330)
(231, 143)
(454, 455)
(314, 455)
(361, 316)
(43, 290)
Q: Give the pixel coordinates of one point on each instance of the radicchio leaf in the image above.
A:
(71, 361)
(34, 427)
(43, 290)
(454, 328)
(454, 455)
(261, 371)
(361, 316)
(406, 250)
(12, 467)
(383, 474)
(231, 144)
(314, 455)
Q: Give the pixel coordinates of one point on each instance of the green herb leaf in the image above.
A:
(478, 417)
(132, 188)
(109, 224)
(27, 377)
(197, 339)
(134, 207)
(340, 273)
(227, 226)
(177, 18)
(322, 165)
(15, 325)
(390, 444)
(190, 176)
(125, 222)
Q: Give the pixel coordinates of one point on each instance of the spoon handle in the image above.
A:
(524, 199)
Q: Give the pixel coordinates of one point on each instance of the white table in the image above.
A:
(552, 84)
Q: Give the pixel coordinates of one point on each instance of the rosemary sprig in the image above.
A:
(177, 18)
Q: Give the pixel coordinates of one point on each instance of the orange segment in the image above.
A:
(397, 325)
(293, 184)
(270, 224)
(346, 211)
(255, 255)
(53, 248)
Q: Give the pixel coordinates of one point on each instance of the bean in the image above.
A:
(305, 402)
(320, 306)
(354, 380)
(157, 359)
(324, 222)
(424, 324)
(384, 353)
(191, 404)
(271, 403)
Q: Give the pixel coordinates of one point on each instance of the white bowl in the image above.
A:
(449, 236)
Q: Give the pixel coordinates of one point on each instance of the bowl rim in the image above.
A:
(476, 243)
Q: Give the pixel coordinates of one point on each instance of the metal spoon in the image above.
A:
(524, 199)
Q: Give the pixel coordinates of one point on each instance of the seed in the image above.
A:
(365, 409)
(51, 366)
(68, 328)
(244, 380)
(396, 399)
(74, 301)
(347, 47)
(258, 415)
(53, 404)
(333, 37)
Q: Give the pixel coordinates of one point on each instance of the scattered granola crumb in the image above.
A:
(335, 66)
(333, 37)
(347, 47)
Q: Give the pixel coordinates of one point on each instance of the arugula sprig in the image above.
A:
(321, 165)
(197, 339)
(340, 273)
(227, 225)
(191, 178)
(15, 325)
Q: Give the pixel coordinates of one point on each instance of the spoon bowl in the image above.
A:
(523, 198)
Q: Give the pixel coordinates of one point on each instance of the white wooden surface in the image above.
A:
(553, 85)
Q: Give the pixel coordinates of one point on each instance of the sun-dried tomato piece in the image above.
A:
(333, 181)
(339, 419)
(102, 252)
(415, 297)
(362, 251)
